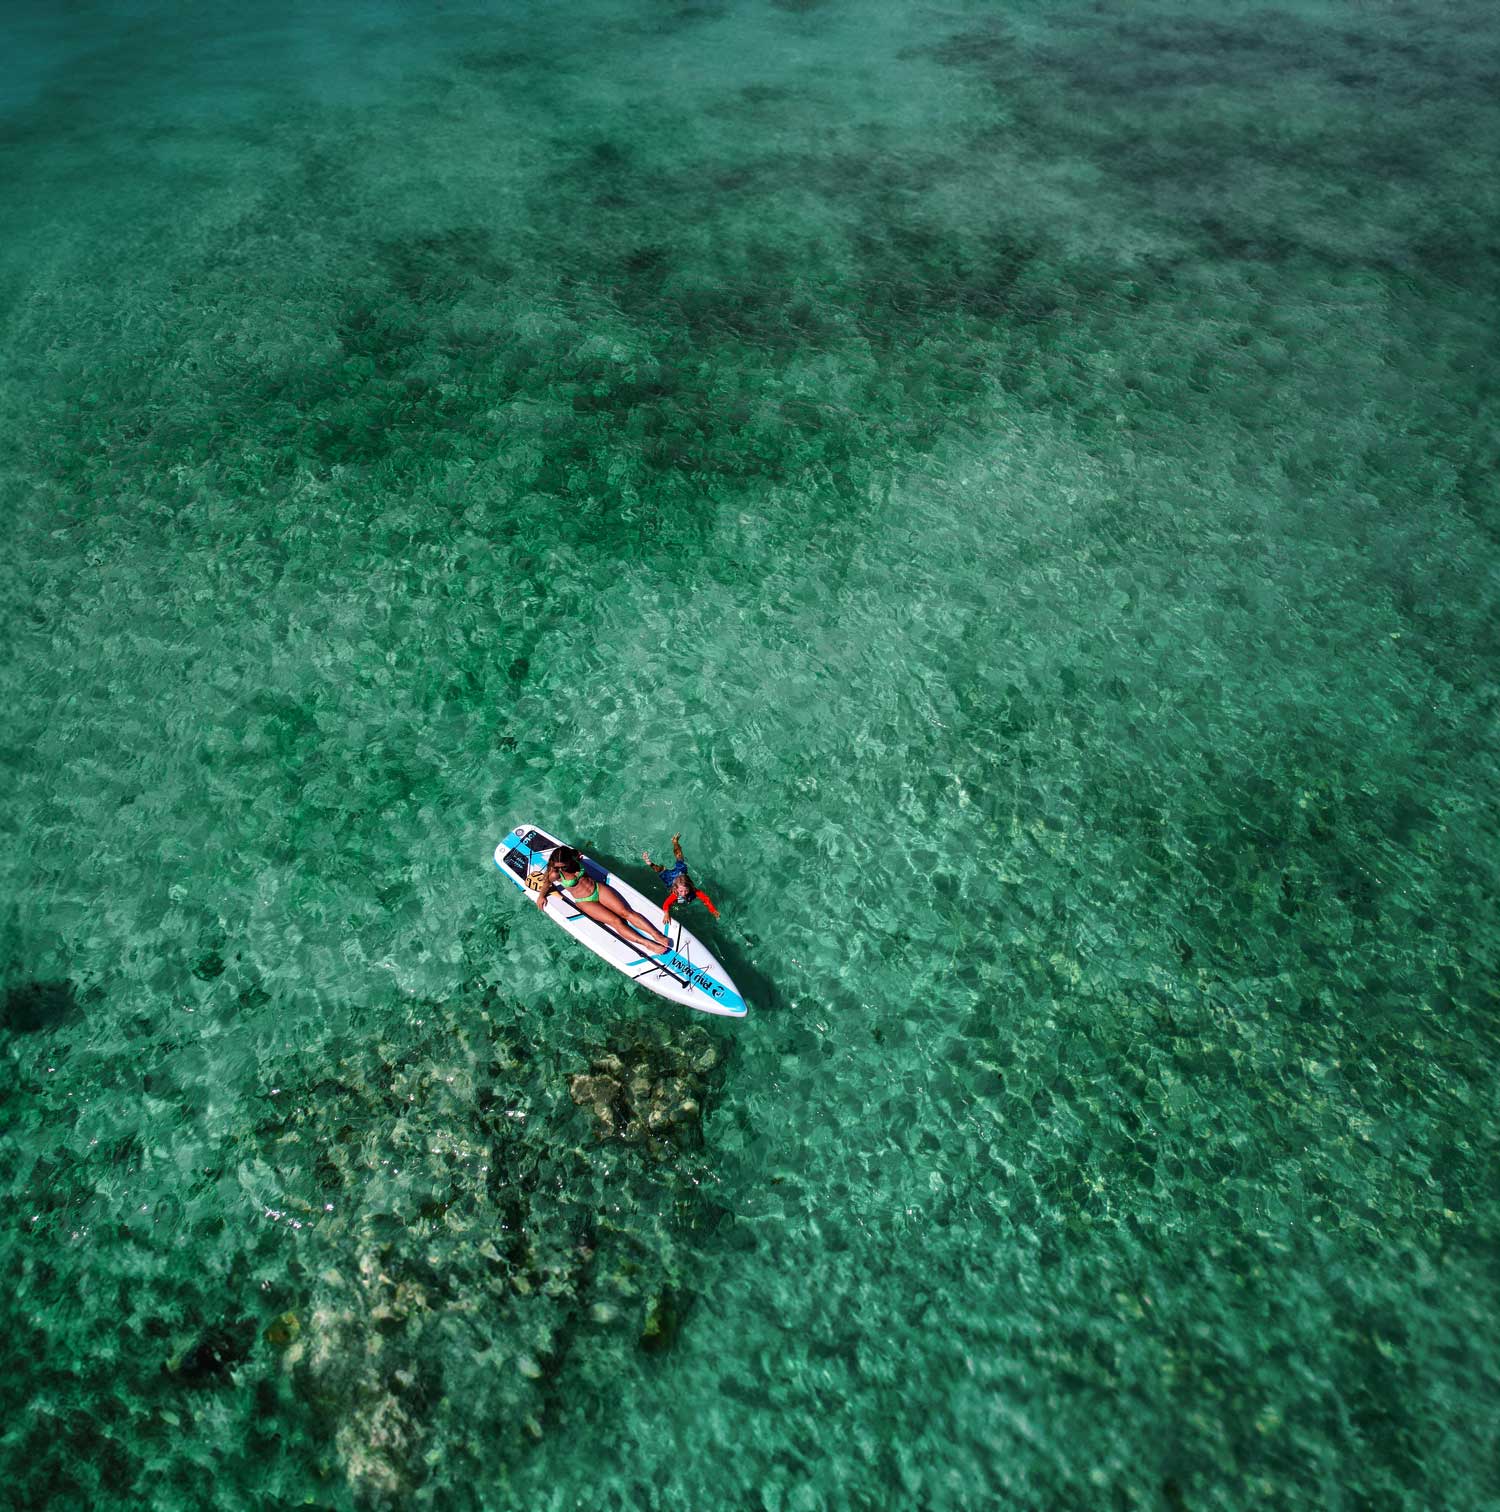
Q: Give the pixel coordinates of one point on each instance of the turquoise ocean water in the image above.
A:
(1015, 486)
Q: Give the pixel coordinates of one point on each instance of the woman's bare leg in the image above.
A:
(620, 922)
(625, 914)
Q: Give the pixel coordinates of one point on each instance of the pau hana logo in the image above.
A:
(701, 980)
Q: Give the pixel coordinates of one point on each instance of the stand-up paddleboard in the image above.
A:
(686, 973)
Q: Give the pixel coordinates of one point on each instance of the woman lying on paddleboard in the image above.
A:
(603, 904)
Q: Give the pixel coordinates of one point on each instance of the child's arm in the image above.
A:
(649, 862)
(677, 847)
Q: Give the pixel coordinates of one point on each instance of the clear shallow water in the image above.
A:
(1015, 488)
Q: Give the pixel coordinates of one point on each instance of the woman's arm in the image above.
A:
(545, 888)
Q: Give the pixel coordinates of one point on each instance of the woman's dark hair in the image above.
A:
(568, 859)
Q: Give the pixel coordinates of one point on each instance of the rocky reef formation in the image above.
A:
(405, 1252)
(649, 1088)
(462, 1223)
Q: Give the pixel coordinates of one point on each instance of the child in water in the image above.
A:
(680, 888)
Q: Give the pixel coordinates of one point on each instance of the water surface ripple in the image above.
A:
(1014, 486)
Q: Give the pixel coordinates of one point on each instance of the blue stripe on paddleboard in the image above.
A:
(710, 986)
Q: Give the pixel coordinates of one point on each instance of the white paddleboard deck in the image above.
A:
(686, 973)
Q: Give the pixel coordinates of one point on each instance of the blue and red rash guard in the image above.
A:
(669, 875)
(702, 897)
